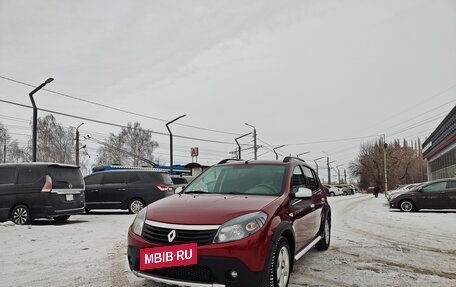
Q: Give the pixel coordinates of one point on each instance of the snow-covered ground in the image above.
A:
(371, 246)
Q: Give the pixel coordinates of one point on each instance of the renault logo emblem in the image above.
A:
(172, 235)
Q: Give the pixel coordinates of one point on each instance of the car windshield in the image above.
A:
(240, 179)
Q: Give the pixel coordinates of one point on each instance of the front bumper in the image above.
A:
(211, 271)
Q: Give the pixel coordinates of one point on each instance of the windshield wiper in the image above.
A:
(195, 192)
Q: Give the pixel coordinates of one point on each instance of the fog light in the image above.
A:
(233, 274)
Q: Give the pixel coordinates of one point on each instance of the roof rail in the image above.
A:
(290, 158)
(228, 159)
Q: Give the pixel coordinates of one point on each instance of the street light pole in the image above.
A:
(302, 153)
(171, 143)
(77, 143)
(316, 164)
(329, 170)
(385, 145)
(338, 172)
(273, 149)
(239, 146)
(35, 116)
(255, 148)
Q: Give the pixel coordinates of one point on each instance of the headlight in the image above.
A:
(394, 195)
(240, 227)
(138, 223)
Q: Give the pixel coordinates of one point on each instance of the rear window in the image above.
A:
(179, 180)
(66, 177)
(7, 174)
(158, 177)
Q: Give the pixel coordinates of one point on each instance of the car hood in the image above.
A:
(205, 209)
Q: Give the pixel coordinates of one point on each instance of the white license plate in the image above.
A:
(69, 197)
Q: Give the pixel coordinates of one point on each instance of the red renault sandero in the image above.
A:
(240, 223)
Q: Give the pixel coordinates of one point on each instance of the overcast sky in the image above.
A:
(307, 74)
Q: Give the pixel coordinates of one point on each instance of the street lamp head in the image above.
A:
(49, 80)
(249, 125)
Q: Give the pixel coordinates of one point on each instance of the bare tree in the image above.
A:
(129, 146)
(404, 164)
(54, 142)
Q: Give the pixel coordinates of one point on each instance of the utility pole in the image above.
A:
(345, 176)
(77, 143)
(255, 148)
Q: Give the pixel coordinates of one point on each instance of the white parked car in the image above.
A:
(334, 190)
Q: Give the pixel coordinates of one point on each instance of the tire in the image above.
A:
(345, 193)
(407, 205)
(61, 218)
(20, 215)
(135, 205)
(332, 194)
(323, 244)
(280, 265)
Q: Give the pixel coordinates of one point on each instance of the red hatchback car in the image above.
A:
(240, 223)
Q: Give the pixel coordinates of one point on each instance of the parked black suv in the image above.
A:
(126, 189)
(40, 190)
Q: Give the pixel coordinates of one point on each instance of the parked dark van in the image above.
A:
(40, 190)
(126, 188)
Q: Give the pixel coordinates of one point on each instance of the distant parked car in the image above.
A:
(126, 189)
(334, 190)
(348, 189)
(437, 194)
(401, 189)
(181, 180)
(40, 190)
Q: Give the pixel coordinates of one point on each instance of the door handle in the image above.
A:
(122, 189)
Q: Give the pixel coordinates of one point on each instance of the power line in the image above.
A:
(116, 109)
(115, 125)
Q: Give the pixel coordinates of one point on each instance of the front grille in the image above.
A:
(160, 235)
(195, 273)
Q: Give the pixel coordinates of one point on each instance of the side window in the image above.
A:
(94, 179)
(298, 179)
(29, 174)
(311, 178)
(435, 186)
(115, 177)
(451, 184)
(7, 174)
(133, 177)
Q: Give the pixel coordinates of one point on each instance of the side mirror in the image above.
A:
(303, 193)
(178, 189)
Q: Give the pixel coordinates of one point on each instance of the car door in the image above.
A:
(449, 195)
(92, 189)
(317, 197)
(113, 188)
(431, 195)
(302, 211)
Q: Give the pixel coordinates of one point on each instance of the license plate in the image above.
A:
(168, 256)
(69, 197)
